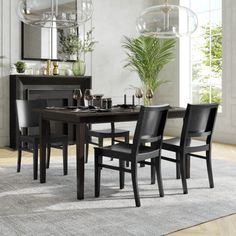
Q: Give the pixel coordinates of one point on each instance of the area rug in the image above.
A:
(30, 208)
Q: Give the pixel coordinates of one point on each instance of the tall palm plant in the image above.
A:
(147, 56)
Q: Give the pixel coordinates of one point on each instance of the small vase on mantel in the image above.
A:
(79, 68)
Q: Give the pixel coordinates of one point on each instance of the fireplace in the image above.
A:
(57, 90)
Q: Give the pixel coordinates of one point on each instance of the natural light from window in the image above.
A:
(202, 54)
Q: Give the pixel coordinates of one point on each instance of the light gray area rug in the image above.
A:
(30, 208)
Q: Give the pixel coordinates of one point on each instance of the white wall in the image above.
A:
(10, 49)
(112, 20)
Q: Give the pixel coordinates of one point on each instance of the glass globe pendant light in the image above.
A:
(167, 21)
(55, 13)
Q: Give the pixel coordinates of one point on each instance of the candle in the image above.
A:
(133, 100)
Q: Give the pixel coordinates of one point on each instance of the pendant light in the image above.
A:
(55, 13)
(167, 21)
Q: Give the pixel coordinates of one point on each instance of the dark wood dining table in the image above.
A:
(81, 119)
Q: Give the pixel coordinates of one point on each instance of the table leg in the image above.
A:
(44, 132)
(80, 142)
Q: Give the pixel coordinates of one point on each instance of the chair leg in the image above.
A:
(183, 174)
(100, 144)
(65, 157)
(127, 141)
(86, 152)
(188, 160)
(177, 165)
(152, 170)
(97, 161)
(35, 161)
(209, 168)
(48, 154)
(19, 157)
(122, 174)
(135, 183)
(159, 175)
(112, 143)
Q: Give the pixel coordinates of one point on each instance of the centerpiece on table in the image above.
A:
(71, 44)
(147, 55)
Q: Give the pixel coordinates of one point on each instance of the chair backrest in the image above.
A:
(199, 121)
(26, 117)
(150, 127)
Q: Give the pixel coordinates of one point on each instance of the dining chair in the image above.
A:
(198, 122)
(149, 130)
(27, 118)
(112, 133)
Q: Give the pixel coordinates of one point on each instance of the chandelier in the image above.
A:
(167, 21)
(55, 13)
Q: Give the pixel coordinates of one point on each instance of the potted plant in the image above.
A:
(20, 66)
(147, 55)
(71, 44)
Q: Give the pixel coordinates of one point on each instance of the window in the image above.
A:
(203, 55)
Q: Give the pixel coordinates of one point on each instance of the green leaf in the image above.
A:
(147, 56)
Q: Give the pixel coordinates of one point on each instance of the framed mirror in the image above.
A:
(44, 43)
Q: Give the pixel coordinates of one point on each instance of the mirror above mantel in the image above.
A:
(40, 44)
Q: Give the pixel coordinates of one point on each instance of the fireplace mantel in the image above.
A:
(56, 89)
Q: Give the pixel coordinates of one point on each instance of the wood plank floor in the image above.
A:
(225, 226)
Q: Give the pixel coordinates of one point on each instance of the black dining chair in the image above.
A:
(101, 134)
(27, 118)
(198, 122)
(149, 130)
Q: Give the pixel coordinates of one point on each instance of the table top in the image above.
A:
(98, 116)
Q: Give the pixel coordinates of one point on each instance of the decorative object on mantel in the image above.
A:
(55, 13)
(20, 66)
(48, 68)
(167, 21)
(71, 44)
(55, 68)
(147, 56)
(79, 67)
(68, 72)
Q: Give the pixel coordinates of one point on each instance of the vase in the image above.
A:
(79, 67)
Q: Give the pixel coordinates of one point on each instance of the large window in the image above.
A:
(204, 54)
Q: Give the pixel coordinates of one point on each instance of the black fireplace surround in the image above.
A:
(57, 90)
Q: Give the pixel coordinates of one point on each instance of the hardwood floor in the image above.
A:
(225, 226)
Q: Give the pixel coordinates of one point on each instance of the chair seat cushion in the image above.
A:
(173, 144)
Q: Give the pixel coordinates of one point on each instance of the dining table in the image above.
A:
(80, 118)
